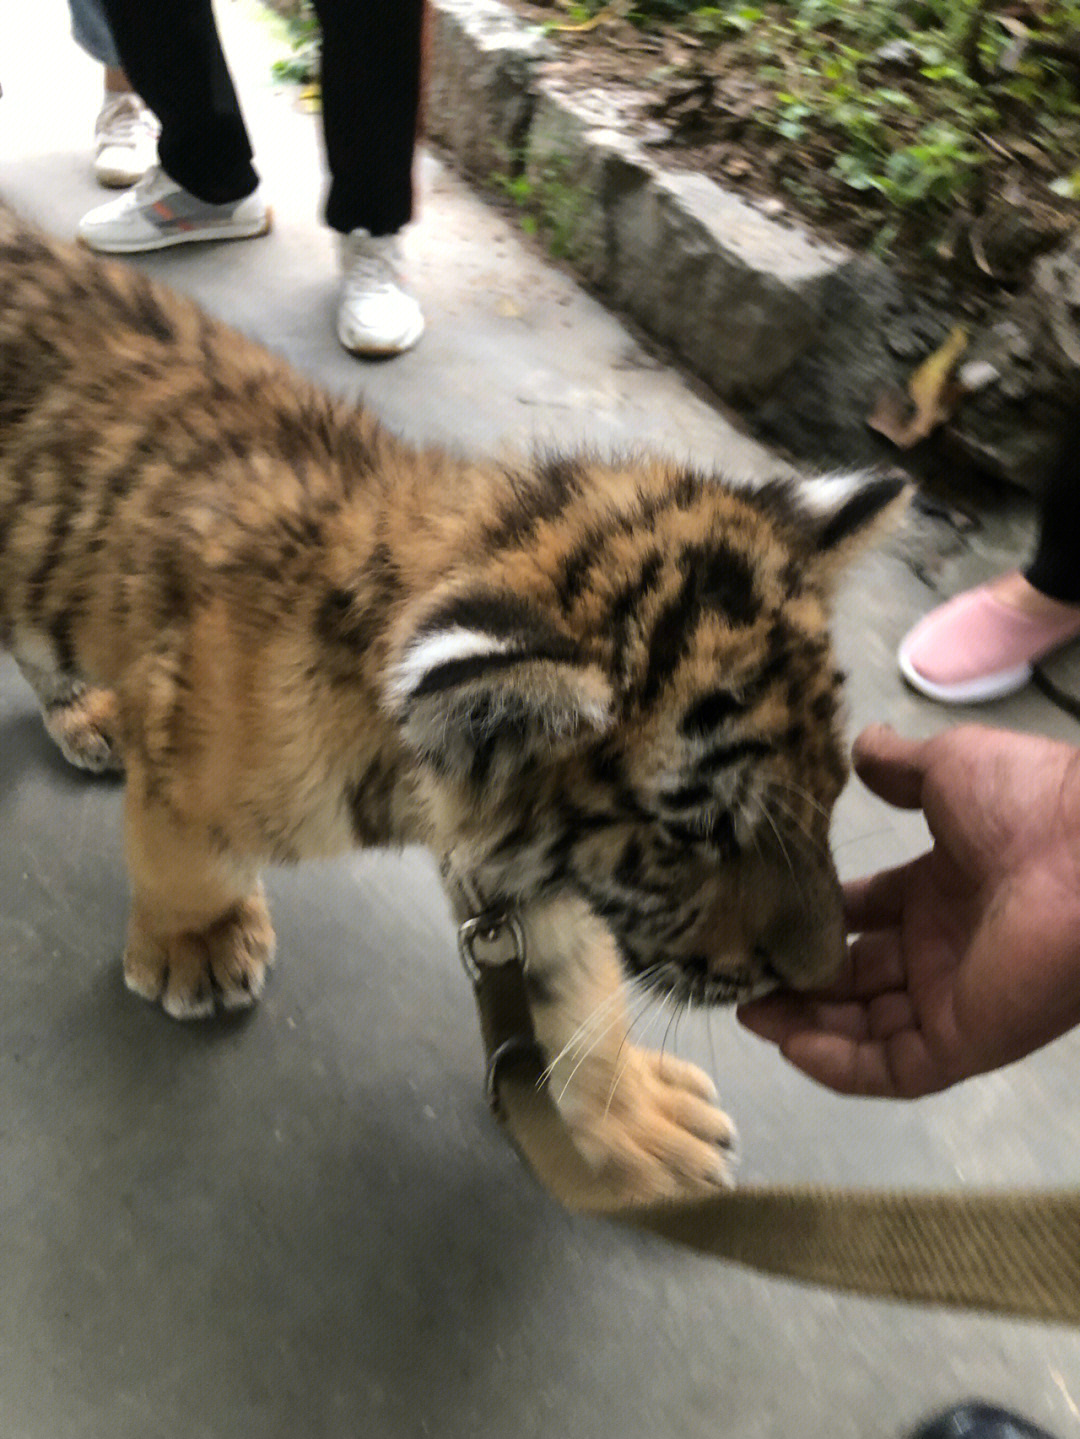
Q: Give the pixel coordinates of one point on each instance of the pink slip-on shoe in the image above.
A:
(977, 647)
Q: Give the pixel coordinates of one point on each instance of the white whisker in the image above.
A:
(602, 1010)
(625, 1044)
(780, 840)
(801, 792)
(800, 824)
(861, 838)
(764, 810)
(596, 1038)
(671, 1021)
(645, 1000)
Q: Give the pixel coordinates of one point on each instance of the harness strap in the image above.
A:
(1015, 1253)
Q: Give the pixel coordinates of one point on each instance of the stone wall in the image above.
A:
(801, 334)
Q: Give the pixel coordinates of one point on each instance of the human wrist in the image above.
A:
(1070, 802)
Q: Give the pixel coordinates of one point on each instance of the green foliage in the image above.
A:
(1068, 186)
(550, 200)
(304, 36)
(898, 100)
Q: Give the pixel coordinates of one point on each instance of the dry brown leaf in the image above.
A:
(611, 11)
(931, 397)
(1032, 153)
(891, 416)
(928, 383)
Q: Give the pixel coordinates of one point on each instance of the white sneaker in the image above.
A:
(125, 140)
(157, 213)
(377, 316)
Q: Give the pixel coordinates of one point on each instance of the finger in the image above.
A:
(876, 965)
(877, 900)
(781, 1016)
(873, 966)
(828, 1043)
(844, 1065)
(899, 1067)
(891, 766)
(890, 1014)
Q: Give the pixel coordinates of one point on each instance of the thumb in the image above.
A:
(891, 766)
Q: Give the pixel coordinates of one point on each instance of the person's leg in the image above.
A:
(172, 55)
(983, 643)
(205, 187)
(371, 68)
(1055, 569)
(125, 133)
(90, 31)
(371, 96)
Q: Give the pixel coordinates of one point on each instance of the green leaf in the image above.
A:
(1067, 186)
(898, 98)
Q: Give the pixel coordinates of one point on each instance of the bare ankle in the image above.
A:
(1015, 590)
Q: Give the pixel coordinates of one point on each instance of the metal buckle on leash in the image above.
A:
(515, 1050)
(495, 940)
(491, 940)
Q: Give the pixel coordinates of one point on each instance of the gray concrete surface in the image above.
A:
(304, 1223)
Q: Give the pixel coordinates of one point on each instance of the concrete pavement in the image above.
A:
(304, 1222)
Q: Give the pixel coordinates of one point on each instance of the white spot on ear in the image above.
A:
(825, 494)
(440, 648)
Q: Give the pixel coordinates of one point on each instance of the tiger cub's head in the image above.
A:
(629, 692)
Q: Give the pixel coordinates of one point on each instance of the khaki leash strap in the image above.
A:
(1008, 1253)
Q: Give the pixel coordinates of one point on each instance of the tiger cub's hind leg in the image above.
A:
(200, 936)
(81, 719)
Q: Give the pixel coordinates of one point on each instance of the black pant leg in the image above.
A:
(172, 55)
(371, 66)
(1055, 569)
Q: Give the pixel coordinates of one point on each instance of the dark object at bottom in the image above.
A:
(979, 1421)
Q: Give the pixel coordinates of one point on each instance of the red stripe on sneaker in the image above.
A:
(170, 217)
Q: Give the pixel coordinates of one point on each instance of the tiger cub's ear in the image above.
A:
(481, 680)
(846, 512)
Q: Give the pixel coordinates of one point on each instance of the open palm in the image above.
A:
(968, 957)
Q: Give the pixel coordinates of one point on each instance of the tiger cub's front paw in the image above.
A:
(192, 974)
(657, 1134)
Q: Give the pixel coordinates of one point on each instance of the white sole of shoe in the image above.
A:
(223, 231)
(116, 179)
(968, 692)
(374, 352)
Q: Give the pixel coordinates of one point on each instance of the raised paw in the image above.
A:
(84, 727)
(652, 1131)
(193, 974)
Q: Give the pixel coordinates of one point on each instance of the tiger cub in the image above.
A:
(601, 688)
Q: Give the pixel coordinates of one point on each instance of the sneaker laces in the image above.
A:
(153, 185)
(370, 264)
(123, 118)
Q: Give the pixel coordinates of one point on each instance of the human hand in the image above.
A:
(968, 957)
